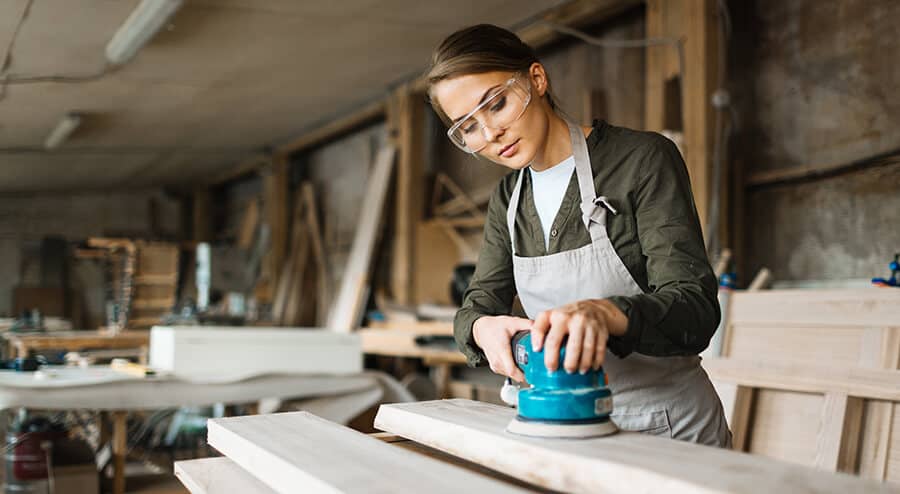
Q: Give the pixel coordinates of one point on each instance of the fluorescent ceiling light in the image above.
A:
(142, 24)
(63, 130)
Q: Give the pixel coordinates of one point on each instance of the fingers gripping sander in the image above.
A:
(558, 404)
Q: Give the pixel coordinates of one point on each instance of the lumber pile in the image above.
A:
(299, 452)
(625, 462)
(811, 377)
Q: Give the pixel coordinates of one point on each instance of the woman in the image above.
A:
(595, 231)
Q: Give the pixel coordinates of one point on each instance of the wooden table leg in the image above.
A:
(442, 380)
(119, 438)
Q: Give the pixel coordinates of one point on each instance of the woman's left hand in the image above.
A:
(587, 323)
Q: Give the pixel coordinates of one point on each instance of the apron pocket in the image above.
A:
(655, 422)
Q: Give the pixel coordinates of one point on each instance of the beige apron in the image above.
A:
(666, 396)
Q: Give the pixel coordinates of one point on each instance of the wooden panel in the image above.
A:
(875, 446)
(792, 343)
(218, 476)
(872, 307)
(786, 425)
(853, 381)
(625, 462)
(299, 452)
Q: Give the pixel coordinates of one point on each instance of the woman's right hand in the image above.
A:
(493, 335)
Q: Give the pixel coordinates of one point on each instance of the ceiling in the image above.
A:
(224, 79)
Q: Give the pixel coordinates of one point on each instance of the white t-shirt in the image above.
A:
(548, 189)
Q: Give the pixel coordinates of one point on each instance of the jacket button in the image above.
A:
(553, 232)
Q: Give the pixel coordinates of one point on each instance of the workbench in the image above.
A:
(20, 344)
(399, 340)
(102, 389)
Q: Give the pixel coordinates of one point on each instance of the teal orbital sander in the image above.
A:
(558, 404)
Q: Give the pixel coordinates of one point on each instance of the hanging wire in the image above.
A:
(677, 43)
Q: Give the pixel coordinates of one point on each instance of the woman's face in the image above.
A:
(516, 145)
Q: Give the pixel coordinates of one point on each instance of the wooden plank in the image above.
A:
(892, 469)
(218, 476)
(740, 417)
(864, 383)
(275, 203)
(323, 272)
(794, 343)
(838, 443)
(625, 462)
(223, 353)
(347, 309)
(872, 307)
(299, 452)
(875, 448)
(249, 222)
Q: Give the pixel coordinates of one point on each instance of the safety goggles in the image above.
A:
(498, 111)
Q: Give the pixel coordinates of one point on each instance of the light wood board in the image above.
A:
(218, 476)
(299, 452)
(347, 309)
(625, 462)
(234, 353)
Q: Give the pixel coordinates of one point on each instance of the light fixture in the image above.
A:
(141, 25)
(63, 130)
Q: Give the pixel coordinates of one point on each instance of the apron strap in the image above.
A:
(511, 210)
(593, 208)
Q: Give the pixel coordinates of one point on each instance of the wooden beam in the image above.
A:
(874, 384)
(335, 128)
(622, 463)
(838, 444)
(873, 307)
(694, 22)
(407, 122)
(349, 304)
(202, 215)
(276, 203)
(299, 452)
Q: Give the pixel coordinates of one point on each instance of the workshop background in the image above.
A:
(267, 164)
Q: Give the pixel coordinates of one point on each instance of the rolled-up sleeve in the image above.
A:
(680, 312)
(492, 288)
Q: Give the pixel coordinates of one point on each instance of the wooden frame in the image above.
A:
(811, 376)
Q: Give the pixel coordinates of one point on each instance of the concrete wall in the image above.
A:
(26, 219)
(816, 83)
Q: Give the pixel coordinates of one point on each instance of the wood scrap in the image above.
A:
(323, 271)
(625, 462)
(299, 452)
(249, 223)
(346, 312)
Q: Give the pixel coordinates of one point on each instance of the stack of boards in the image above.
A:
(299, 452)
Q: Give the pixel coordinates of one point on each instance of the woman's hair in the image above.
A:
(476, 50)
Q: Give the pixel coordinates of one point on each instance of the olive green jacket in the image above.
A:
(656, 234)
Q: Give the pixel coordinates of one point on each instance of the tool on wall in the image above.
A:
(558, 404)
